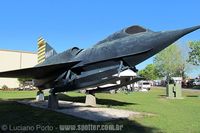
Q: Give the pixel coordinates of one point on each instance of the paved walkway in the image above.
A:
(81, 110)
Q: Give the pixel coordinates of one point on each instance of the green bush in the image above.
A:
(196, 87)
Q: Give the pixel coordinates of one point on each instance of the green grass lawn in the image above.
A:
(171, 115)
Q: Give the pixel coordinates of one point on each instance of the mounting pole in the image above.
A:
(53, 100)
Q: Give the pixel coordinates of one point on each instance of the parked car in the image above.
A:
(196, 82)
(190, 83)
(145, 85)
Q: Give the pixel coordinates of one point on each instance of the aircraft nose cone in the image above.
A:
(182, 32)
(191, 29)
(167, 38)
(176, 34)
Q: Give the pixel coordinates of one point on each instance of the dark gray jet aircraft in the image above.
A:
(85, 68)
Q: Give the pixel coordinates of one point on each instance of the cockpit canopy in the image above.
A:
(135, 29)
(73, 52)
(124, 32)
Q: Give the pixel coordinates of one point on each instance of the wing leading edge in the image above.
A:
(39, 71)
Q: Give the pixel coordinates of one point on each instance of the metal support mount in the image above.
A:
(53, 100)
(90, 98)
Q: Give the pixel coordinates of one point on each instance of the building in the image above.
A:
(10, 60)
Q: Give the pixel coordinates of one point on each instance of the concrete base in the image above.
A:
(175, 97)
(81, 110)
(53, 101)
(90, 100)
(40, 96)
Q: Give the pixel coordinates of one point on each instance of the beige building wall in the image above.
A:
(11, 60)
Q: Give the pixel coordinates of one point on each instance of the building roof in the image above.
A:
(19, 51)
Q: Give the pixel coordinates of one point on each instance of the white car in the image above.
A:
(145, 85)
(196, 82)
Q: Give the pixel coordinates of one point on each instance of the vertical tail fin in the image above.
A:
(44, 50)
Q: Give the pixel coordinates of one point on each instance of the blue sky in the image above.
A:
(68, 23)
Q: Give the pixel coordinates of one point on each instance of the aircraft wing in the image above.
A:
(39, 71)
(122, 57)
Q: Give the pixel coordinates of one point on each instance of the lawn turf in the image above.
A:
(171, 115)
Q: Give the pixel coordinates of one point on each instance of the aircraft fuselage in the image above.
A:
(101, 61)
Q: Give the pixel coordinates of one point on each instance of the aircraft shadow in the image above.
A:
(132, 126)
(35, 116)
(81, 99)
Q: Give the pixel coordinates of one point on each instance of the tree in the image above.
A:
(194, 54)
(149, 72)
(4, 87)
(170, 62)
(23, 80)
